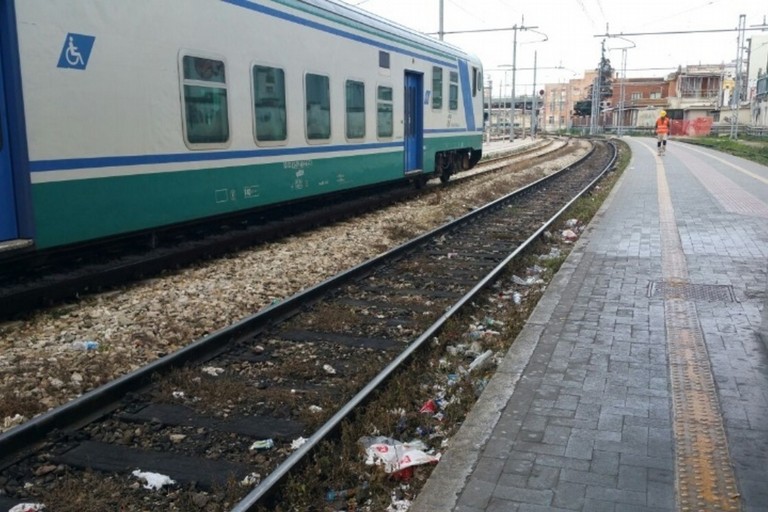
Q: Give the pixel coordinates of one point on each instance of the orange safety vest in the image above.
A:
(662, 125)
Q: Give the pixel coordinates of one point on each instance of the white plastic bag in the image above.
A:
(395, 455)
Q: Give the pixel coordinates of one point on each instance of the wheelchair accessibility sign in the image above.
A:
(76, 51)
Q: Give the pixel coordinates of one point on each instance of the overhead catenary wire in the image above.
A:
(586, 12)
(674, 32)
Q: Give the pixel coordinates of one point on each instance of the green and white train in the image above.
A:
(119, 117)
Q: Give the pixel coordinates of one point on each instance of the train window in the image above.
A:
(453, 91)
(355, 109)
(206, 109)
(384, 111)
(269, 104)
(479, 81)
(437, 87)
(383, 59)
(318, 96)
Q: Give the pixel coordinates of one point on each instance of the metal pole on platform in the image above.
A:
(534, 103)
(621, 90)
(595, 110)
(489, 124)
(512, 105)
(736, 99)
(514, 73)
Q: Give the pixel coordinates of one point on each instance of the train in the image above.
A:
(124, 117)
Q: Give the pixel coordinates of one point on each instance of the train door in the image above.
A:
(414, 122)
(8, 224)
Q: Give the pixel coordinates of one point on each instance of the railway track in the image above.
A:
(196, 414)
(27, 284)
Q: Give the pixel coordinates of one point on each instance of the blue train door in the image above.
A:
(414, 122)
(8, 225)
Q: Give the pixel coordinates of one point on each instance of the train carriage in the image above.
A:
(121, 117)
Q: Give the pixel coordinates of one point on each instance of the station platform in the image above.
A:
(640, 382)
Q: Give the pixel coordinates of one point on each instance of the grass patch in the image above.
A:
(751, 148)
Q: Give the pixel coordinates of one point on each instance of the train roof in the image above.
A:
(355, 14)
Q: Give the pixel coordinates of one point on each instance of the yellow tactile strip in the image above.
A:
(705, 479)
(704, 476)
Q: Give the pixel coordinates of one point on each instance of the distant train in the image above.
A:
(119, 117)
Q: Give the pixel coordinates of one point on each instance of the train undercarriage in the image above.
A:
(451, 162)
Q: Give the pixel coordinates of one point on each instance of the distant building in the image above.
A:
(637, 101)
(757, 64)
(557, 107)
(702, 90)
(759, 102)
(579, 90)
(696, 98)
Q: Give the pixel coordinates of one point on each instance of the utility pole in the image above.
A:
(512, 105)
(489, 127)
(736, 100)
(514, 67)
(535, 102)
(501, 107)
(621, 90)
(441, 32)
(595, 106)
(597, 86)
(622, 99)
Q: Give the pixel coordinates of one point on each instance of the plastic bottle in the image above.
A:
(345, 493)
(85, 345)
(481, 360)
(264, 444)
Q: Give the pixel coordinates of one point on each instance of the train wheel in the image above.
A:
(474, 158)
(465, 161)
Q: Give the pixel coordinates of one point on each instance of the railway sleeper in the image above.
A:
(111, 458)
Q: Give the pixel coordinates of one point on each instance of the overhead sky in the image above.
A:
(570, 27)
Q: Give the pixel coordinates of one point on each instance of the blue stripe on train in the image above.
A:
(66, 164)
(469, 108)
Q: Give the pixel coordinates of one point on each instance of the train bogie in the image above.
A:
(121, 117)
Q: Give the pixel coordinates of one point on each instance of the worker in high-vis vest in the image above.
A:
(662, 131)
